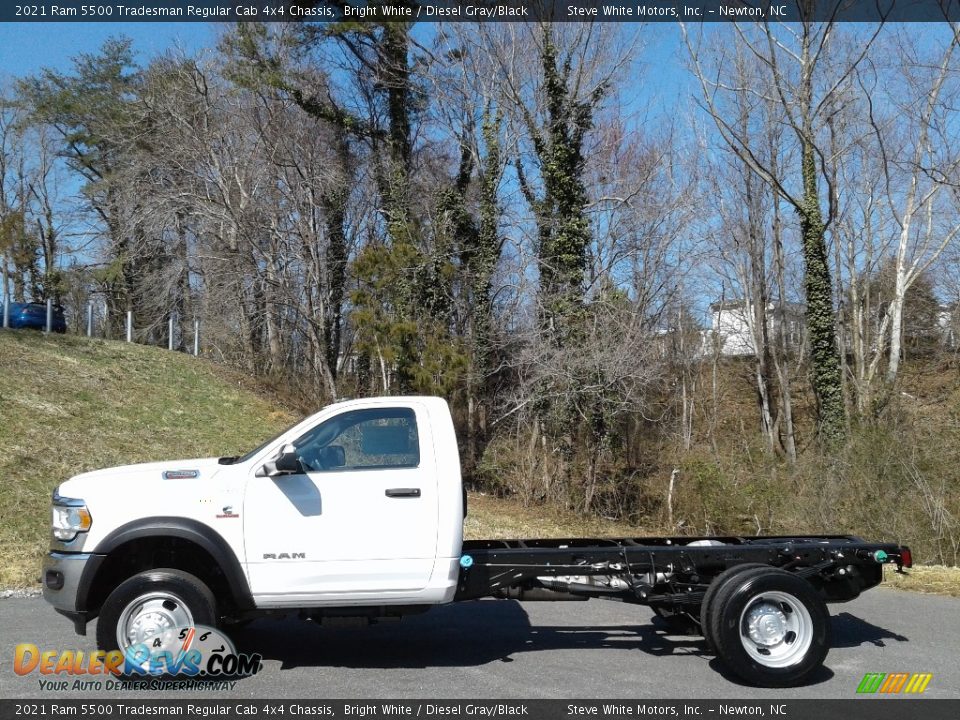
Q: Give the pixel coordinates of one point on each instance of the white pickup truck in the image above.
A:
(358, 511)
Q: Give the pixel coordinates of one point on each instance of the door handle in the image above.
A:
(402, 492)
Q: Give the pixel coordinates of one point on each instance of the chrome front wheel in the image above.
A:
(150, 606)
(150, 616)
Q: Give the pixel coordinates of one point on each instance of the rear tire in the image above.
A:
(150, 602)
(711, 594)
(770, 627)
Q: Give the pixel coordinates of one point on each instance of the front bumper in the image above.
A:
(66, 579)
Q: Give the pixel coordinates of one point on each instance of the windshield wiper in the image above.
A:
(228, 460)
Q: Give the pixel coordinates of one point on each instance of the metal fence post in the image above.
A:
(129, 325)
(170, 333)
(49, 327)
(90, 318)
(196, 338)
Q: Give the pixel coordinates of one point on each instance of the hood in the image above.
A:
(192, 470)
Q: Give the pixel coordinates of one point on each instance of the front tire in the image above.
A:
(150, 603)
(770, 627)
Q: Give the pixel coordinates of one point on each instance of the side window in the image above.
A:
(362, 440)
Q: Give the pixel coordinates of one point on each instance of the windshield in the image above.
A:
(234, 459)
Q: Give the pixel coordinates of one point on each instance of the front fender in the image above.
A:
(186, 529)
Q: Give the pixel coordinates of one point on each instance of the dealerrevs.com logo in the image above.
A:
(192, 653)
(894, 683)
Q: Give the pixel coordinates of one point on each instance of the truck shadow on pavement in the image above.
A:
(478, 633)
(850, 631)
(459, 635)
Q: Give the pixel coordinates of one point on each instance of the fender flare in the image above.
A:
(185, 529)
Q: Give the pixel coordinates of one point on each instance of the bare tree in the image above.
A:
(920, 155)
(44, 197)
(805, 69)
(897, 213)
(746, 251)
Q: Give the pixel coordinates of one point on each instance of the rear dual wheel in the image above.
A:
(768, 626)
(720, 581)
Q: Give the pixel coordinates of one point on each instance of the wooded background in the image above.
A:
(500, 214)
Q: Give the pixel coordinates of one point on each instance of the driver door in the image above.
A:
(360, 519)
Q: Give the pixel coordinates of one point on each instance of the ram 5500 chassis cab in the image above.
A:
(358, 512)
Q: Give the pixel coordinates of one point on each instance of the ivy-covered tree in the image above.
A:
(562, 227)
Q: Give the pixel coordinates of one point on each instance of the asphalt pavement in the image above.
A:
(504, 649)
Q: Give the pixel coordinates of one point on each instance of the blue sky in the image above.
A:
(25, 48)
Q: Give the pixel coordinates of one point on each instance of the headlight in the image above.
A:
(70, 517)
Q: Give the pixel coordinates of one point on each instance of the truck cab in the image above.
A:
(359, 505)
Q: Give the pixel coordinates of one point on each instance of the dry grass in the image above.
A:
(68, 405)
(936, 579)
(493, 518)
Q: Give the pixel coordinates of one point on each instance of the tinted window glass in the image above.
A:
(362, 440)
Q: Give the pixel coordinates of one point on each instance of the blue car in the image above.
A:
(34, 315)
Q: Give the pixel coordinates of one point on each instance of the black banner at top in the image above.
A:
(190, 706)
(481, 11)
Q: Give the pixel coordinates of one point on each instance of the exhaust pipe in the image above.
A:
(536, 594)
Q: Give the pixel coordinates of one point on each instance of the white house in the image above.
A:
(731, 324)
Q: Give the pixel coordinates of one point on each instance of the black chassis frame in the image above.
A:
(840, 567)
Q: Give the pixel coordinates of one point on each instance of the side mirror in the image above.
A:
(286, 464)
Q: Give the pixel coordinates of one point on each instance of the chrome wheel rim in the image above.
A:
(776, 629)
(150, 616)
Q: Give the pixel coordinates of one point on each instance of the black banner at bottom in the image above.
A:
(865, 708)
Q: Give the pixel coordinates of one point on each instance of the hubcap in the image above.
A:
(149, 616)
(776, 629)
(766, 624)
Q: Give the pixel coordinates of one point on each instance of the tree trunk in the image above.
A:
(781, 363)
(471, 454)
(183, 302)
(271, 316)
(821, 318)
(336, 279)
(895, 310)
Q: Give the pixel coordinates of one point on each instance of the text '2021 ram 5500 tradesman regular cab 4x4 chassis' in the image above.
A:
(358, 512)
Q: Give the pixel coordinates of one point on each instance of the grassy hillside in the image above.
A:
(69, 404)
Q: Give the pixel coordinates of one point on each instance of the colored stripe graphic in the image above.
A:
(897, 682)
(871, 682)
(894, 683)
(918, 683)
